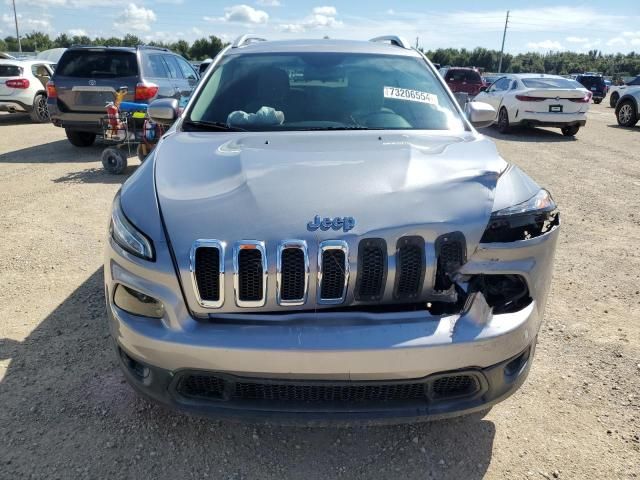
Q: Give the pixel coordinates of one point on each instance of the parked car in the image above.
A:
(595, 84)
(248, 274)
(490, 79)
(464, 80)
(538, 100)
(23, 87)
(87, 78)
(616, 91)
(204, 65)
(628, 107)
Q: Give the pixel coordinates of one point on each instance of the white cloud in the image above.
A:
(28, 24)
(617, 42)
(268, 3)
(78, 32)
(391, 11)
(245, 14)
(545, 45)
(320, 17)
(326, 11)
(135, 19)
(577, 39)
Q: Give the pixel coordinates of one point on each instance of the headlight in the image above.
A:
(523, 221)
(126, 235)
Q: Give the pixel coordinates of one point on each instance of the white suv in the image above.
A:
(23, 87)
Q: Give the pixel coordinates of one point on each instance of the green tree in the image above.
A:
(62, 41)
(205, 48)
(131, 40)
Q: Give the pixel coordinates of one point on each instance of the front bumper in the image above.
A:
(344, 347)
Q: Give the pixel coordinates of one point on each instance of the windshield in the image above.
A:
(550, 83)
(592, 81)
(323, 91)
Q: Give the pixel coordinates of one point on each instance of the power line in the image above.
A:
(504, 35)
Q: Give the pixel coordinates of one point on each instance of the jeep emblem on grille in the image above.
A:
(337, 223)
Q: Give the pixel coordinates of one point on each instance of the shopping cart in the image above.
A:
(127, 129)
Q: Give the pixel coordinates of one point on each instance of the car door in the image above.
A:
(493, 96)
(175, 75)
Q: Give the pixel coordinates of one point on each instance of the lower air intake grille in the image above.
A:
(207, 271)
(229, 388)
(410, 265)
(292, 274)
(455, 385)
(333, 274)
(250, 275)
(372, 269)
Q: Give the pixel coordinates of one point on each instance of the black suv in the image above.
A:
(87, 78)
(595, 84)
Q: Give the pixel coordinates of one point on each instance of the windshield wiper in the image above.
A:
(211, 126)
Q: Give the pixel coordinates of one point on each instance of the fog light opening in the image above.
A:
(515, 366)
(136, 368)
(137, 303)
(503, 293)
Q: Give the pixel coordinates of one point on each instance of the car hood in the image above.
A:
(268, 186)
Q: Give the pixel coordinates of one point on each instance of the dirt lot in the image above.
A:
(66, 413)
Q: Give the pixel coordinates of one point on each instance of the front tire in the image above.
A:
(570, 131)
(597, 101)
(503, 121)
(613, 99)
(114, 160)
(626, 113)
(39, 111)
(80, 139)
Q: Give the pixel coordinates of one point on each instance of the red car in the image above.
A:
(464, 80)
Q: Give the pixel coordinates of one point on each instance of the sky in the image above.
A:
(542, 25)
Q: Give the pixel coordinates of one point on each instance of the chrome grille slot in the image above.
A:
(333, 271)
(250, 276)
(372, 269)
(410, 267)
(206, 264)
(292, 272)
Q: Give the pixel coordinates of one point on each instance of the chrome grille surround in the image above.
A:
(237, 248)
(284, 245)
(326, 246)
(206, 243)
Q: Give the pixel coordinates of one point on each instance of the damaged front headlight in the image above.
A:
(126, 235)
(522, 221)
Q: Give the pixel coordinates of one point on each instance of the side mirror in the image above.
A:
(483, 88)
(480, 114)
(163, 111)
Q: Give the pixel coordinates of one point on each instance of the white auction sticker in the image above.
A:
(410, 95)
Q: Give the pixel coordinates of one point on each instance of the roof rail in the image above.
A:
(153, 47)
(393, 40)
(244, 40)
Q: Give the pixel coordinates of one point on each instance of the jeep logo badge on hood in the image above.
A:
(337, 223)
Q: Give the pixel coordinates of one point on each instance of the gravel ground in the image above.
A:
(65, 411)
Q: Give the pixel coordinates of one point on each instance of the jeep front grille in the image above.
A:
(372, 269)
(207, 270)
(250, 273)
(333, 271)
(413, 261)
(293, 272)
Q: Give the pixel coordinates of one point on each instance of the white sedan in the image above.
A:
(538, 100)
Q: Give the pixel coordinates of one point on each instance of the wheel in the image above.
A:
(40, 111)
(80, 139)
(613, 99)
(597, 101)
(570, 131)
(503, 121)
(626, 113)
(114, 160)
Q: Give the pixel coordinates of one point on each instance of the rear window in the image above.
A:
(10, 71)
(550, 83)
(463, 76)
(97, 64)
(591, 81)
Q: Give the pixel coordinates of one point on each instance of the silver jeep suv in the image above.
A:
(323, 236)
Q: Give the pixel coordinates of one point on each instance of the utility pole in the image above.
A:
(504, 35)
(417, 42)
(15, 18)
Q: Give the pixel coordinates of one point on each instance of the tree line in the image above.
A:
(560, 63)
